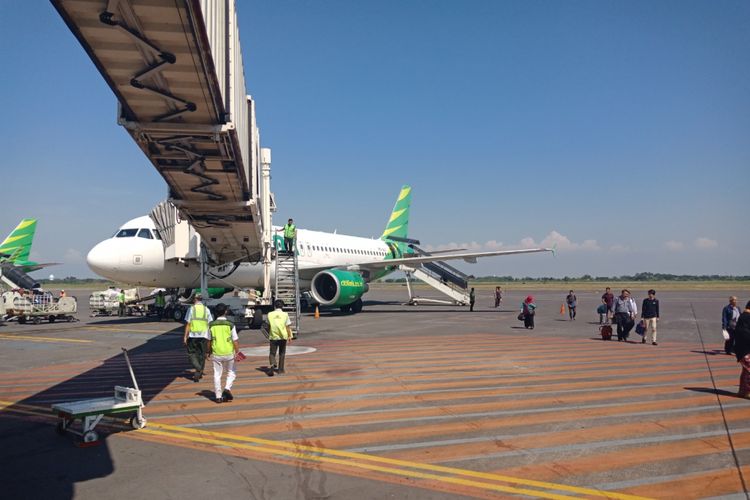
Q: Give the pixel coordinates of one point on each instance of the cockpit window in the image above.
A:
(145, 233)
(126, 233)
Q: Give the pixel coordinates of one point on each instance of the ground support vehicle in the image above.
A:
(35, 308)
(106, 303)
(91, 411)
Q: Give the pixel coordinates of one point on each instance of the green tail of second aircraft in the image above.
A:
(398, 224)
(17, 245)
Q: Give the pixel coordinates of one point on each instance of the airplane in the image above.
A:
(334, 269)
(16, 247)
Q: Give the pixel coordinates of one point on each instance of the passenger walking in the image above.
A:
(572, 302)
(625, 312)
(472, 299)
(528, 310)
(742, 350)
(729, 316)
(650, 316)
(196, 335)
(121, 303)
(279, 333)
(603, 316)
(608, 299)
(223, 347)
(290, 234)
(498, 296)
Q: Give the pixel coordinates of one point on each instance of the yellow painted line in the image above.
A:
(314, 453)
(370, 467)
(43, 339)
(402, 463)
(127, 330)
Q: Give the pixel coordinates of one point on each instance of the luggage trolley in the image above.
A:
(91, 411)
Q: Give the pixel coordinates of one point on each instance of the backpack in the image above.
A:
(606, 332)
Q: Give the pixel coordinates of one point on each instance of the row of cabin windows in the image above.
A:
(351, 251)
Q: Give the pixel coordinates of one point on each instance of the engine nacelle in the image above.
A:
(336, 288)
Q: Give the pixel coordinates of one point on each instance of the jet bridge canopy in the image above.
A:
(176, 69)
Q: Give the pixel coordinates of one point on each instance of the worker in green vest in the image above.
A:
(290, 234)
(223, 347)
(196, 335)
(121, 303)
(160, 303)
(279, 333)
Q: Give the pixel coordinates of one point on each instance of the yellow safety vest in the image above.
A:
(159, 301)
(221, 337)
(198, 318)
(121, 298)
(289, 230)
(277, 320)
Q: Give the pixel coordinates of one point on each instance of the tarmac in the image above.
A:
(415, 402)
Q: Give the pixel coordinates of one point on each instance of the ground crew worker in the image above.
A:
(196, 335)
(160, 302)
(472, 299)
(290, 234)
(62, 293)
(121, 303)
(279, 333)
(223, 347)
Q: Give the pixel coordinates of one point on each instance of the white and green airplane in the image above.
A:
(16, 247)
(334, 268)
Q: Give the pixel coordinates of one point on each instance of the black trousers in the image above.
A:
(471, 305)
(528, 321)
(196, 349)
(729, 344)
(279, 345)
(289, 244)
(624, 325)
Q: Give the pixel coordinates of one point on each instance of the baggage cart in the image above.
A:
(91, 411)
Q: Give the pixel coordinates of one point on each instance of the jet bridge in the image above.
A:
(176, 69)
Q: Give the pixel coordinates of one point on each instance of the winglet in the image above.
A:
(554, 250)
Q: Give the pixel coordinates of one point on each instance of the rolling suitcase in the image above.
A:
(606, 332)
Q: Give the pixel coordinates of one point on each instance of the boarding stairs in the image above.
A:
(15, 278)
(176, 69)
(442, 277)
(287, 286)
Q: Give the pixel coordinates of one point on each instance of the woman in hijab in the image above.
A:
(528, 309)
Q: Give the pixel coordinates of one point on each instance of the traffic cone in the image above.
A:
(562, 309)
(317, 312)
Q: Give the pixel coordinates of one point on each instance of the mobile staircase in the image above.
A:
(287, 286)
(15, 278)
(442, 277)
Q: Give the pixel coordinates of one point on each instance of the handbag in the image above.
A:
(640, 328)
(725, 334)
(520, 316)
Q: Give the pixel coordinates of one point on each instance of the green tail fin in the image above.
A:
(18, 242)
(398, 223)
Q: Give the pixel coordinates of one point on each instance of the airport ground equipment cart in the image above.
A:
(34, 308)
(106, 303)
(91, 411)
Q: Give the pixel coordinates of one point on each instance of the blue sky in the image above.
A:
(619, 130)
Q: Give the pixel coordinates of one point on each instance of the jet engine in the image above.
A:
(336, 288)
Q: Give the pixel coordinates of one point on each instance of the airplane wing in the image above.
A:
(471, 257)
(37, 265)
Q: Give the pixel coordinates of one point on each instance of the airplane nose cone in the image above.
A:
(100, 258)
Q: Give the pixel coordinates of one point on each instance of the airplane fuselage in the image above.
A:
(135, 256)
